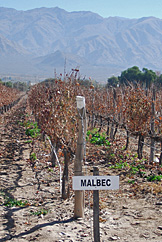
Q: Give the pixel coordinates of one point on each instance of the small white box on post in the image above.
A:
(80, 102)
(79, 195)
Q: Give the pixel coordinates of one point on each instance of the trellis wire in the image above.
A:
(104, 123)
(54, 151)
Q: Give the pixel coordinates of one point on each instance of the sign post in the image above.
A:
(95, 183)
(96, 226)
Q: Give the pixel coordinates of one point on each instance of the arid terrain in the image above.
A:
(31, 207)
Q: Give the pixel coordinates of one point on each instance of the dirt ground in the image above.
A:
(31, 207)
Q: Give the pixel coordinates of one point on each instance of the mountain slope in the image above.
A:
(51, 35)
(9, 48)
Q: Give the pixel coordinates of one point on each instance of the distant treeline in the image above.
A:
(132, 76)
(21, 86)
(135, 76)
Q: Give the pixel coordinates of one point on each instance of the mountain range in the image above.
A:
(40, 40)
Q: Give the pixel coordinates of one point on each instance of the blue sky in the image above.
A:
(105, 8)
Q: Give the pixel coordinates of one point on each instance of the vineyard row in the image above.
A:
(136, 110)
(8, 98)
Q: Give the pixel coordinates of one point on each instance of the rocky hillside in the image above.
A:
(46, 36)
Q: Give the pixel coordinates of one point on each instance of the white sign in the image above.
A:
(95, 182)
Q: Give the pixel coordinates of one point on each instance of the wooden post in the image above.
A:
(65, 177)
(152, 149)
(79, 195)
(114, 106)
(93, 115)
(96, 228)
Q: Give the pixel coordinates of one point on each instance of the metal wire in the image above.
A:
(104, 123)
(54, 151)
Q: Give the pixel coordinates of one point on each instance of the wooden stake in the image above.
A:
(152, 149)
(79, 195)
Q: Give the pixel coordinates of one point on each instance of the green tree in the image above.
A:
(8, 84)
(131, 75)
(159, 80)
(148, 77)
(112, 81)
